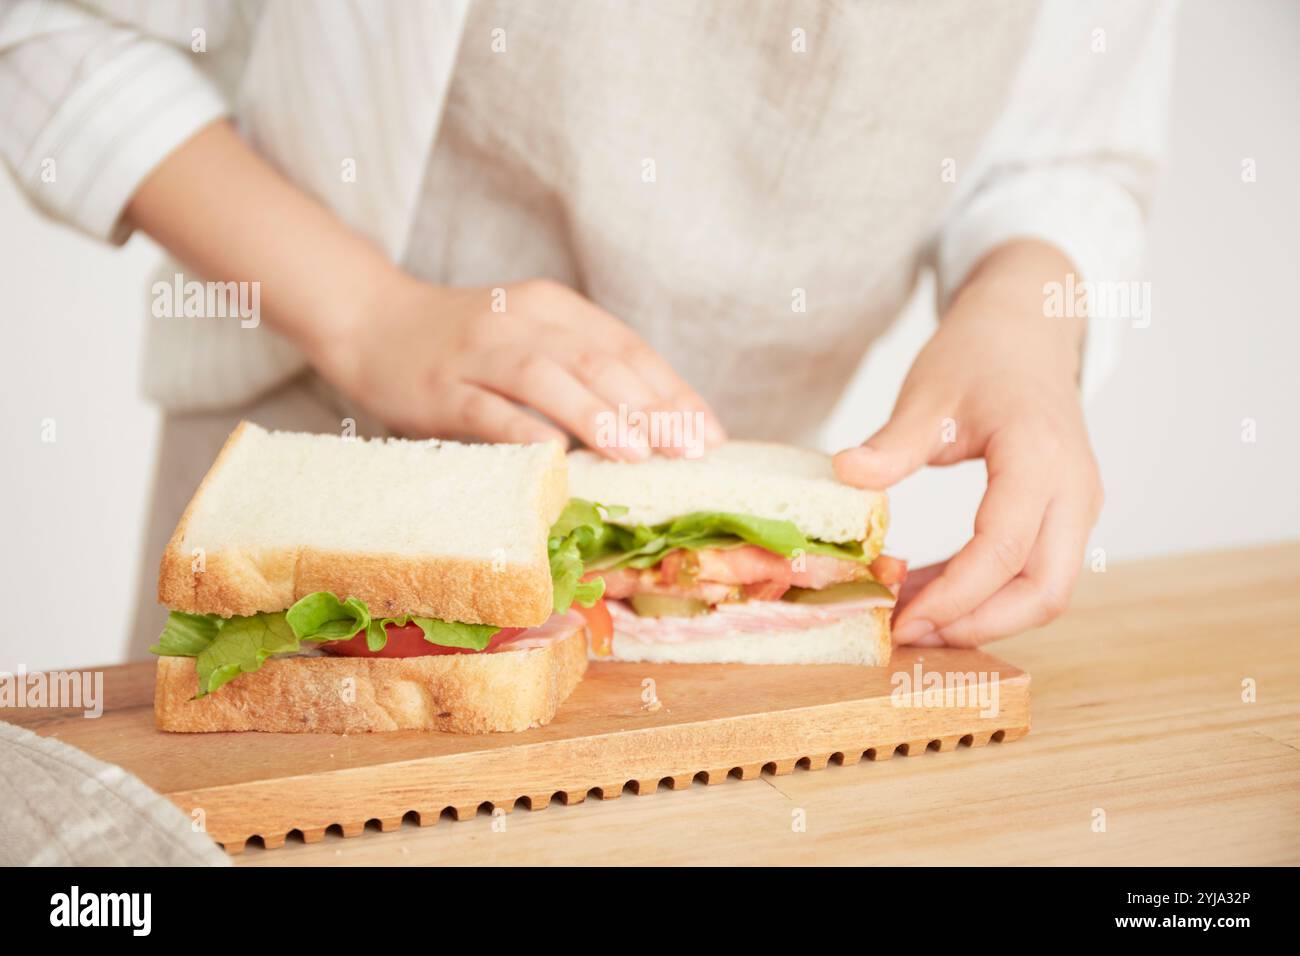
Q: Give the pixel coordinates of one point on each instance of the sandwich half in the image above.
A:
(332, 585)
(754, 554)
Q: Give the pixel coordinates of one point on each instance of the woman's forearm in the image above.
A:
(224, 211)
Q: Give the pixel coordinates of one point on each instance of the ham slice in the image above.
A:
(749, 617)
(557, 627)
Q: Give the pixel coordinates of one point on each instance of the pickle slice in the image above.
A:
(847, 591)
(666, 605)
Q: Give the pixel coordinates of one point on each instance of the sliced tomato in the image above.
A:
(408, 641)
(889, 571)
(600, 628)
(765, 590)
(621, 583)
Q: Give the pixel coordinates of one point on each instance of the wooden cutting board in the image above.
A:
(627, 724)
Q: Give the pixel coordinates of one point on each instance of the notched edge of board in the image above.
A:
(611, 790)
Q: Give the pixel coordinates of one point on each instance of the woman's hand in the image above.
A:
(423, 359)
(466, 363)
(997, 381)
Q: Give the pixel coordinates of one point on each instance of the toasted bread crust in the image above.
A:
(456, 693)
(474, 591)
(450, 589)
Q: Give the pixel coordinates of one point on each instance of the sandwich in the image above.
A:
(333, 585)
(754, 554)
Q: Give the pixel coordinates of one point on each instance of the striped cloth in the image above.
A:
(59, 806)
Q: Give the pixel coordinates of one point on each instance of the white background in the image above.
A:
(1223, 346)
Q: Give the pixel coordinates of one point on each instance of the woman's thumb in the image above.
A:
(905, 443)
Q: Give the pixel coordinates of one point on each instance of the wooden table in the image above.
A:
(1143, 751)
(1138, 715)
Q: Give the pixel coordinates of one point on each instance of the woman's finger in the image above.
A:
(538, 381)
(610, 378)
(577, 314)
(1042, 592)
(595, 362)
(675, 394)
(612, 381)
(1006, 526)
(467, 412)
(661, 424)
(912, 437)
(915, 582)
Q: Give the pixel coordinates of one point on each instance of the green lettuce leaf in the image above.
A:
(455, 634)
(241, 646)
(224, 648)
(605, 546)
(185, 635)
(377, 633)
(323, 617)
(579, 531)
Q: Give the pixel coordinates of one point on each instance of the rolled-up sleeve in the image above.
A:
(93, 106)
(1073, 159)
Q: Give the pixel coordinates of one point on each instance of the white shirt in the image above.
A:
(700, 174)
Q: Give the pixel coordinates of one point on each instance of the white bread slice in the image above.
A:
(860, 639)
(743, 477)
(456, 693)
(430, 528)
